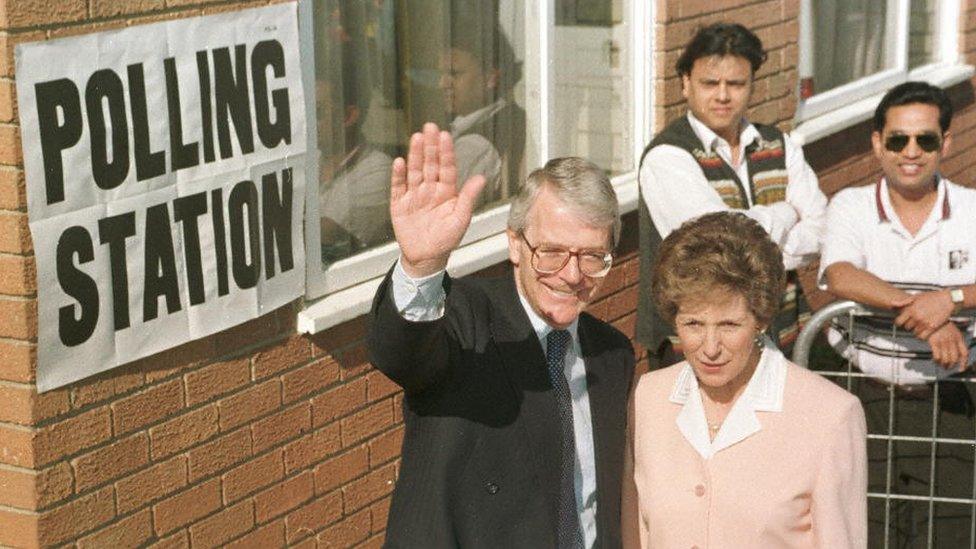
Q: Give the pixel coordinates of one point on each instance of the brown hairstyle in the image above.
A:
(719, 251)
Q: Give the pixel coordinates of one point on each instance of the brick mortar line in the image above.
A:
(185, 452)
(168, 10)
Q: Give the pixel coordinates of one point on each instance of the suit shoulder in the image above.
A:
(660, 381)
(605, 332)
(813, 390)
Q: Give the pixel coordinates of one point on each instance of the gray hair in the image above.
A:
(579, 184)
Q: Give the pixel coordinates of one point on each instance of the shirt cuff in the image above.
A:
(418, 299)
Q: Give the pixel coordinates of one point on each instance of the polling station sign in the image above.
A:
(164, 167)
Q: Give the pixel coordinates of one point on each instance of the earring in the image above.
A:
(760, 340)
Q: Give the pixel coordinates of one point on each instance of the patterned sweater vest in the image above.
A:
(766, 159)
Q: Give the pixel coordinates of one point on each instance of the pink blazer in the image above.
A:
(800, 480)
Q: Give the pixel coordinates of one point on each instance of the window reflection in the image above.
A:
(385, 67)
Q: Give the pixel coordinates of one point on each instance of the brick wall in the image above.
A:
(257, 436)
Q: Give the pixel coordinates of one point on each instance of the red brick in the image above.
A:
(271, 535)
(33, 490)
(154, 483)
(148, 406)
(313, 517)
(363, 491)
(186, 507)
(77, 517)
(246, 335)
(281, 356)
(132, 531)
(18, 275)
(8, 101)
(309, 379)
(13, 191)
(282, 426)
(224, 526)
(105, 386)
(179, 540)
(379, 513)
(19, 315)
(10, 149)
(219, 454)
(367, 422)
(18, 528)
(252, 476)
(110, 462)
(34, 13)
(184, 431)
(111, 8)
(251, 403)
(284, 497)
(385, 447)
(24, 406)
(339, 336)
(72, 435)
(340, 470)
(17, 360)
(312, 448)
(17, 445)
(379, 386)
(349, 532)
(170, 362)
(338, 402)
(375, 542)
(353, 361)
(216, 379)
(398, 408)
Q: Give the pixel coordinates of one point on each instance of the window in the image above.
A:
(514, 81)
(854, 49)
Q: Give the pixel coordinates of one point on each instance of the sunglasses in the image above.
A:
(928, 142)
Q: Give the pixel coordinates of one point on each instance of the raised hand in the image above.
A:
(428, 213)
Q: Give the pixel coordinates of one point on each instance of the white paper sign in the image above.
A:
(164, 167)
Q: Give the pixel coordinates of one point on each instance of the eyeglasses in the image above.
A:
(552, 260)
(928, 142)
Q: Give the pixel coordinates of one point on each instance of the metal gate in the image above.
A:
(921, 444)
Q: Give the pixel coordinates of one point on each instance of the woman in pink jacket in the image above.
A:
(736, 446)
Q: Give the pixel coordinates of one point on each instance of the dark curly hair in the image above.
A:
(722, 39)
(719, 251)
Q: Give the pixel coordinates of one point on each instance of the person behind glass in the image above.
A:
(907, 244)
(514, 399)
(478, 73)
(713, 159)
(736, 446)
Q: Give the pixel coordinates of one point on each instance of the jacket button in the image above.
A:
(491, 488)
(699, 490)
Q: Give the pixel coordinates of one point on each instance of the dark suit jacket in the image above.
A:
(480, 459)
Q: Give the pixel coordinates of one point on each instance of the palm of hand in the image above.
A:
(428, 214)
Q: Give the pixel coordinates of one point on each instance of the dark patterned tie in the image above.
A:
(569, 534)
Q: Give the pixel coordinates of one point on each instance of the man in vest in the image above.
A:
(713, 159)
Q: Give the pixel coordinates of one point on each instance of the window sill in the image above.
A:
(849, 115)
(355, 301)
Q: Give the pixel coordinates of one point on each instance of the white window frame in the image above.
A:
(344, 290)
(833, 110)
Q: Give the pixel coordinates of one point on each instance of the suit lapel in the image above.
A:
(524, 362)
(606, 384)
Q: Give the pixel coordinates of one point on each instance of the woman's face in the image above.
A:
(718, 337)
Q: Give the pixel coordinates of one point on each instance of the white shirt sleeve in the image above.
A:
(418, 299)
(675, 190)
(804, 195)
(843, 241)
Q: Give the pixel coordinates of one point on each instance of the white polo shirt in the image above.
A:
(864, 230)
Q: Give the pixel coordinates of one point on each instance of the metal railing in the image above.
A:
(925, 481)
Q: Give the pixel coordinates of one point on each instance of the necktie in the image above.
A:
(568, 534)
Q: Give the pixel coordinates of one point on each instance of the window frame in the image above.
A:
(872, 87)
(344, 290)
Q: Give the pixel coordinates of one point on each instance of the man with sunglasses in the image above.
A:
(907, 244)
(514, 400)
